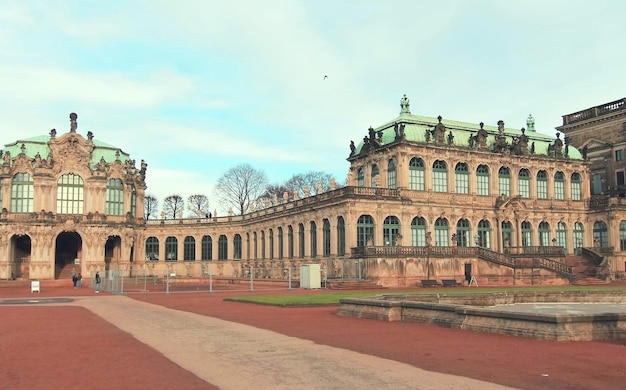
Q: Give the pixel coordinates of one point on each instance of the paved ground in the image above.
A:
(195, 341)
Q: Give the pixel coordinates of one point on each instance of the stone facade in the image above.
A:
(425, 198)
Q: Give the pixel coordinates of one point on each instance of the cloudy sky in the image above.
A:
(197, 87)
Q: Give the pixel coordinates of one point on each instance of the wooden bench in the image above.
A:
(449, 283)
(430, 283)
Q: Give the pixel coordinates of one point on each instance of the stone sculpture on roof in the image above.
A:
(404, 105)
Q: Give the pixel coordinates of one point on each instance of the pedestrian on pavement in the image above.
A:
(74, 277)
(98, 281)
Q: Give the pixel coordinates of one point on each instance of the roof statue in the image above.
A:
(73, 124)
(404, 105)
(530, 123)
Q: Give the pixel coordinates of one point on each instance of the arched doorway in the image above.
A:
(112, 251)
(68, 247)
(19, 261)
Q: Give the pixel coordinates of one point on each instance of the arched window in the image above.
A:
(189, 249)
(579, 241)
(576, 186)
(461, 178)
(281, 253)
(115, 197)
(440, 176)
(152, 249)
(441, 232)
(374, 175)
(542, 185)
(418, 231)
(504, 181)
(365, 230)
(463, 232)
(207, 248)
(544, 234)
(482, 180)
(326, 237)
(301, 240)
(523, 183)
(248, 246)
(70, 194)
(391, 175)
(22, 189)
(527, 234)
(222, 248)
(271, 234)
(255, 246)
(360, 177)
(263, 244)
(600, 235)
(290, 246)
(391, 230)
(559, 186)
(484, 234)
(622, 236)
(237, 247)
(171, 249)
(313, 234)
(416, 174)
(133, 201)
(561, 235)
(507, 234)
(341, 237)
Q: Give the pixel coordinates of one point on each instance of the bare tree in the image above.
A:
(313, 180)
(240, 186)
(198, 205)
(150, 206)
(173, 206)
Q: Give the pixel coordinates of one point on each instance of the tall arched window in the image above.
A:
(248, 246)
(576, 186)
(207, 248)
(542, 185)
(152, 249)
(579, 241)
(189, 249)
(527, 234)
(523, 183)
(326, 237)
(360, 177)
(313, 234)
(133, 201)
(301, 240)
(290, 246)
(271, 234)
(222, 248)
(482, 180)
(255, 246)
(441, 232)
(440, 176)
(237, 247)
(507, 234)
(561, 235)
(391, 230)
(115, 197)
(544, 234)
(484, 234)
(418, 231)
(391, 174)
(600, 234)
(463, 232)
(559, 186)
(171, 249)
(504, 181)
(341, 237)
(364, 230)
(281, 253)
(374, 176)
(263, 245)
(461, 178)
(22, 189)
(622, 236)
(70, 194)
(416, 174)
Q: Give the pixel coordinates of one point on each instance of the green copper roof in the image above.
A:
(416, 126)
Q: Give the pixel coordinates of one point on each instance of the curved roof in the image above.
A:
(39, 144)
(416, 126)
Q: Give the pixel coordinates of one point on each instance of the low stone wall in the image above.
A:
(478, 312)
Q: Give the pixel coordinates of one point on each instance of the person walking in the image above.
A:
(79, 280)
(74, 277)
(98, 281)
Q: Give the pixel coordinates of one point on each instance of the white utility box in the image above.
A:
(310, 276)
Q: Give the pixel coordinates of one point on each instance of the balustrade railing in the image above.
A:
(553, 265)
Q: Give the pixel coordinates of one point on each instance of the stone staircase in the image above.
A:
(584, 271)
(353, 284)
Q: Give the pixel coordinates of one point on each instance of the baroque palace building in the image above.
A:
(425, 198)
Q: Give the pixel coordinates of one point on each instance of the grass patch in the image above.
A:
(332, 298)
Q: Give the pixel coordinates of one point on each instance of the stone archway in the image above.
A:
(19, 260)
(68, 248)
(112, 251)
